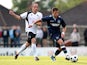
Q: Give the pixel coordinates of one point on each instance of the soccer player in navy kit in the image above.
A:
(54, 22)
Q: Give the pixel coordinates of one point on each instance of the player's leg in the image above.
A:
(34, 49)
(33, 45)
(57, 52)
(23, 47)
(62, 46)
(55, 37)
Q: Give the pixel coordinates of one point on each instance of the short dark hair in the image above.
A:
(55, 9)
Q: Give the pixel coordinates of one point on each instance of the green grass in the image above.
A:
(29, 60)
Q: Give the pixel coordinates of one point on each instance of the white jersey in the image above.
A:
(31, 18)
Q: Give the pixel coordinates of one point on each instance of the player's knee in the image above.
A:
(33, 40)
(60, 41)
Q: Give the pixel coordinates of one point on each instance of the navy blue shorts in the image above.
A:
(55, 38)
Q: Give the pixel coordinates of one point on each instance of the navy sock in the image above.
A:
(57, 52)
(64, 49)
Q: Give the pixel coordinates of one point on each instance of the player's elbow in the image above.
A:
(18, 18)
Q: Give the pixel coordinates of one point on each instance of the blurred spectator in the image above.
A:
(0, 35)
(0, 32)
(51, 43)
(45, 35)
(15, 33)
(74, 37)
(11, 35)
(85, 36)
(5, 36)
(39, 36)
(17, 36)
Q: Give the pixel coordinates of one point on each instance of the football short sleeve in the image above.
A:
(23, 15)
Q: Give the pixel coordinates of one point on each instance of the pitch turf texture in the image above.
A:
(29, 60)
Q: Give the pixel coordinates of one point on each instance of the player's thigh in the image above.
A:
(31, 37)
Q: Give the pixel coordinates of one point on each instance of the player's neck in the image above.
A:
(34, 12)
(55, 17)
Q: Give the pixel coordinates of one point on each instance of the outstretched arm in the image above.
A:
(39, 23)
(15, 15)
(44, 19)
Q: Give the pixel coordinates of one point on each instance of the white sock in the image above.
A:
(33, 49)
(23, 47)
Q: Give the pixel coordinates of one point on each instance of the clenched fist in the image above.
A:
(11, 12)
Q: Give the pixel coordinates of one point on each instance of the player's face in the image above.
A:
(55, 13)
(35, 8)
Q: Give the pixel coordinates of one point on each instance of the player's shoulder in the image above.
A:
(23, 13)
(27, 12)
(60, 16)
(50, 16)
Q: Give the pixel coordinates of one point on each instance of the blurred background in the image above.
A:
(74, 12)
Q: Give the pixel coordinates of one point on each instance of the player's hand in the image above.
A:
(62, 34)
(11, 12)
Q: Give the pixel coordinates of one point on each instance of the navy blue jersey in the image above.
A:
(54, 24)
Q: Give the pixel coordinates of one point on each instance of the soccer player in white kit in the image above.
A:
(30, 28)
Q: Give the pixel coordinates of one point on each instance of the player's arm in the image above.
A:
(39, 22)
(63, 29)
(44, 19)
(15, 15)
(63, 32)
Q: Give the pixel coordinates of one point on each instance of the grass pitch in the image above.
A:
(44, 60)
